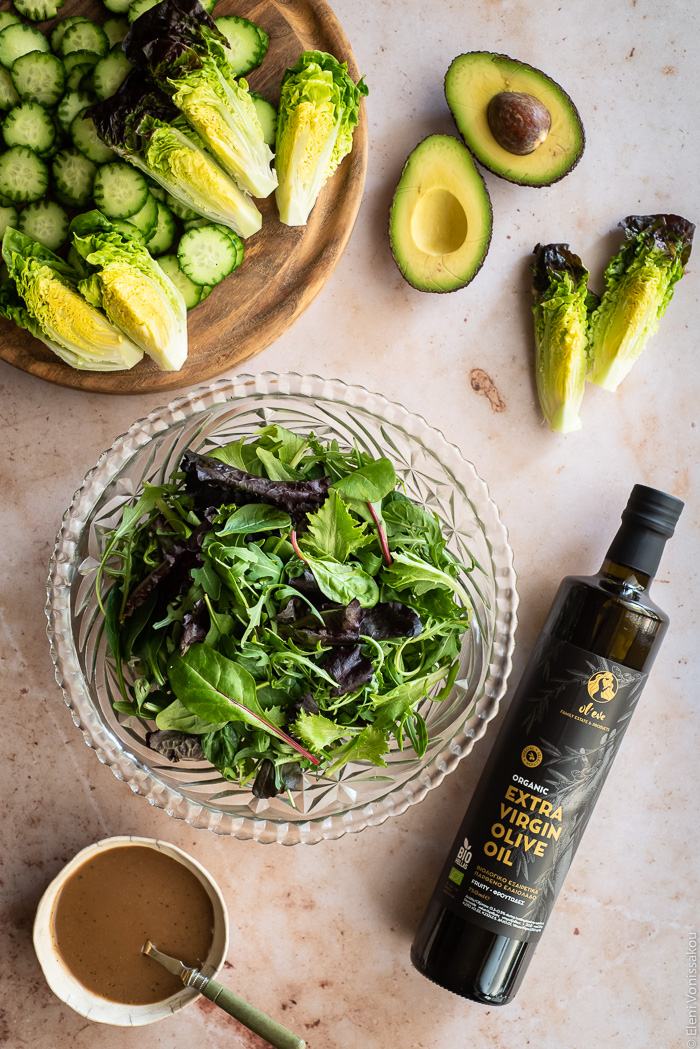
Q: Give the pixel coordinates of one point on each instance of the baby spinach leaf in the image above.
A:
(275, 469)
(369, 483)
(342, 583)
(177, 717)
(405, 518)
(221, 745)
(240, 454)
(254, 517)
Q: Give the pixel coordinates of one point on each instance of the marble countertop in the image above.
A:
(321, 935)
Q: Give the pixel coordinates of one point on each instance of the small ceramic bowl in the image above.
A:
(65, 986)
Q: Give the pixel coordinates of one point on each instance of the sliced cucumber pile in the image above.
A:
(53, 164)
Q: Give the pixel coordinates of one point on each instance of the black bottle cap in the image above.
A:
(654, 509)
(648, 520)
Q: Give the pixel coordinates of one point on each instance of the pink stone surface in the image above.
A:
(320, 936)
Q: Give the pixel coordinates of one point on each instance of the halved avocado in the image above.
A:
(474, 79)
(440, 218)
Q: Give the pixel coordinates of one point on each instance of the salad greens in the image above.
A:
(318, 112)
(279, 606)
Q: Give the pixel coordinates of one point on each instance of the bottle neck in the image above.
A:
(634, 554)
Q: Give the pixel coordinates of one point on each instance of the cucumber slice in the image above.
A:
(191, 292)
(86, 139)
(129, 230)
(75, 78)
(60, 31)
(85, 36)
(80, 58)
(247, 41)
(236, 241)
(206, 255)
(7, 18)
(46, 222)
(31, 126)
(146, 218)
(110, 72)
(115, 29)
(120, 190)
(8, 217)
(138, 7)
(19, 39)
(163, 236)
(117, 7)
(8, 95)
(24, 176)
(38, 10)
(181, 210)
(267, 116)
(70, 105)
(39, 78)
(74, 175)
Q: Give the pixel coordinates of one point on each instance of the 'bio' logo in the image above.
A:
(464, 855)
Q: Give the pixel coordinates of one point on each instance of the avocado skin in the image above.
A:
(567, 99)
(399, 262)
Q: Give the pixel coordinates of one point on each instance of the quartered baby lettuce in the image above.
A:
(318, 112)
(45, 299)
(279, 606)
(180, 48)
(132, 289)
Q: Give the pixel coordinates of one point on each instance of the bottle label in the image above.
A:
(527, 817)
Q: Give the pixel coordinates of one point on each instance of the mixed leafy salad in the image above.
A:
(279, 606)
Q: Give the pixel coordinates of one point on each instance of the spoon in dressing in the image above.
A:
(255, 1020)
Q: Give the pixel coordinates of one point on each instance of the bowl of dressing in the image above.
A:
(101, 908)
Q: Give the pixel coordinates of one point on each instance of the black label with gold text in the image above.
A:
(527, 817)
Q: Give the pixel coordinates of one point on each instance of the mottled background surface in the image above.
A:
(320, 936)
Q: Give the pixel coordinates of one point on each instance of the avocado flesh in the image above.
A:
(471, 82)
(440, 220)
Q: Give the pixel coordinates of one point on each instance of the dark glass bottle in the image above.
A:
(548, 765)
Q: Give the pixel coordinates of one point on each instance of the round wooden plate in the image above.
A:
(284, 267)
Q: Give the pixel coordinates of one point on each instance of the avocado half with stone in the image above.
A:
(515, 119)
(440, 218)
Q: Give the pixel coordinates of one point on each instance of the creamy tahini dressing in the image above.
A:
(116, 901)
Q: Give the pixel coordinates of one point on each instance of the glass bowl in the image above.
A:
(434, 473)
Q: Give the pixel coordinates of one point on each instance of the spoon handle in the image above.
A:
(255, 1020)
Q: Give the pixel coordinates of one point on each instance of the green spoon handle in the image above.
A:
(255, 1020)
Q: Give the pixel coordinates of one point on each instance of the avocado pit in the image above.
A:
(519, 122)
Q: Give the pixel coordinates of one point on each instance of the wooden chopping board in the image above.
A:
(284, 267)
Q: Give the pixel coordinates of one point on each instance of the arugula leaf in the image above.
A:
(369, 483)
(332, 532)
(253, 517)
(393, 705)
(288, 446)
(239, 454)
(411, 570)
(318, 732)
(217, 689)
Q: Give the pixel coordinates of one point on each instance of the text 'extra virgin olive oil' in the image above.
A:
(548, 765)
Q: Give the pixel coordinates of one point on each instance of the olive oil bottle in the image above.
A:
(548, 765)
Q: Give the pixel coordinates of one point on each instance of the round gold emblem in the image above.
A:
(531, 756)
(602, 687)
